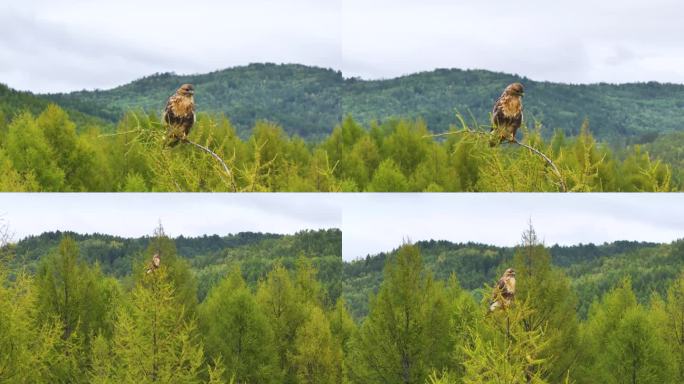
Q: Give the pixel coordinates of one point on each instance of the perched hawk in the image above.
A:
(507, 115)
(179, 114)
(154, 264)
(504, 291)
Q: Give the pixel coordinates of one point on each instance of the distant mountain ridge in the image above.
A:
(592, 269)
(210, 257)
(311, 101)
(638, 111)
(13, 102)
(303, 100)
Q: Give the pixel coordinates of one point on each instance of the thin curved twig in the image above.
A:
(547, 159)
(218, 158)
(564, 188)
(119, 133)
(464, 130)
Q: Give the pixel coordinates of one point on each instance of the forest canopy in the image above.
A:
(65, 320)
(421, 326)
(250, 307)
(309, 101)
(47, 153)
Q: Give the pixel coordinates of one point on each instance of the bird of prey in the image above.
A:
(504, 291)
(154, 264)
(179, 114)
(507, 114)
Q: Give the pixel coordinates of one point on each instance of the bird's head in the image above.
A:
(186, 90)
(510, 272)
(515, 89)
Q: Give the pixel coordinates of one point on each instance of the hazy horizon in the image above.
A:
(150, 234)
(345, 77)
(374, 223)
(73, 44)
(187, 214)
(370, 222)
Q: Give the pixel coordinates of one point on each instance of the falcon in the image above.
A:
(179, 114)
(154, 264)
(504, 291)
(507, 114)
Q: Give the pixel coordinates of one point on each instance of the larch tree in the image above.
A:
(154, 341)
(29, 344)
(278, 299)
(80, 299)
(316, 358)
(621, 343)
(177, 269)
(342, 327)
(504, 350)
(406, 334)
(31, 154)
(547, 293)
(235, 329)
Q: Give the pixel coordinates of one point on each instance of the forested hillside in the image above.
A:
(592, 269)
(246, 308)
(70, 322)
(626, 113)
(48, 153)
(209, 257)
(303, 100)
(310, 101)
(14, 102)
(420, 328)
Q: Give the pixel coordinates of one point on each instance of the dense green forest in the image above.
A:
(270, 315)
(422, 329)
(209, 257)
(13, 102)
(48, 153)
(303, 100)
(66, 321)
(592, 269)
(309, 101)
(619, 114)
(298, 128)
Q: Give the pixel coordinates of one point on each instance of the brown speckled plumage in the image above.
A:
(179, 114)
(507, 114)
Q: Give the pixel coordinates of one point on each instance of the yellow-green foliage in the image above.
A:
(45, 153)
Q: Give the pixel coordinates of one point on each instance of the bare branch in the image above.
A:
(547, 159)
(531, 148)
(218, 158)
(119, 133)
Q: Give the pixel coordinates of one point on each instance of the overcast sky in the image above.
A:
(374, 223)
(74, 44)
(134, 215)
(370, 223)
(564, 41)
